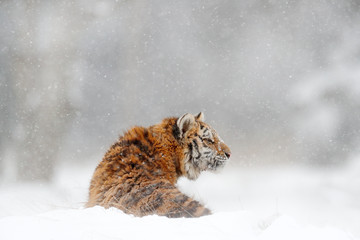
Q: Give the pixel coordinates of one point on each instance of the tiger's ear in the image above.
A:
(200, 117)
(185, 123)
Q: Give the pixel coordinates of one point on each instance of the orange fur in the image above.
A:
(139, 172)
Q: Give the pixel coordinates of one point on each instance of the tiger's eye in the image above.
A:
(210, 140)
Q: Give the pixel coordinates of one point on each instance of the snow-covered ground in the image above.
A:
(248, 203)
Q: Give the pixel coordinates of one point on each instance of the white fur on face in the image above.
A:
(204, 153)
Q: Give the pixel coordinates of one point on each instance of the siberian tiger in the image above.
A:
(139, 172)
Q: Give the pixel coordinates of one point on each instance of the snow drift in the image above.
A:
(254, 203)
(98, 223)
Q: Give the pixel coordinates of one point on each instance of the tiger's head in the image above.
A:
(204, 149)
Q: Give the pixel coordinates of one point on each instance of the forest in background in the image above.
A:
(279, 80)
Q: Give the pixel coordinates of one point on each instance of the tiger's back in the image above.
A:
(139, 172)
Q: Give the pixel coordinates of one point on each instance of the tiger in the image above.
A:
(138, 174)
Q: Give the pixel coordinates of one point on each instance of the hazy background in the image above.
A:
(279, 80)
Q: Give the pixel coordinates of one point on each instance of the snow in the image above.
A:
(99, 223)
(248, 203)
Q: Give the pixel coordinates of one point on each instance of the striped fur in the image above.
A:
(139, 172)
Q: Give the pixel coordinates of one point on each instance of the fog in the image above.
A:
(279, 80)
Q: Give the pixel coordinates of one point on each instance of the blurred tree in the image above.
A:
(5, 104)
(327, 117)
(6, 84)
(41, 77)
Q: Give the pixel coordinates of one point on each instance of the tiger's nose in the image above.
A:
(226, 150)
